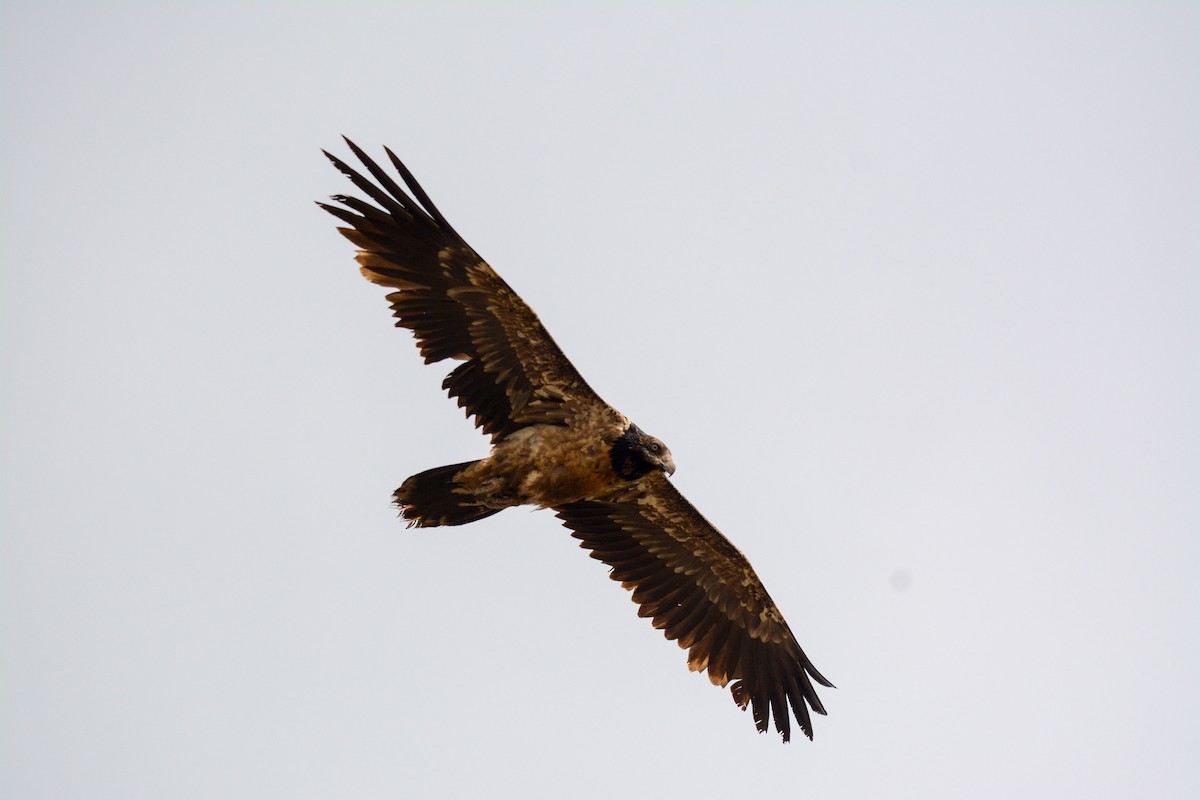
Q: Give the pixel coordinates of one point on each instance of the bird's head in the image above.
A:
(637, 453)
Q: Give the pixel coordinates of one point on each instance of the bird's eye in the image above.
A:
(655, 447)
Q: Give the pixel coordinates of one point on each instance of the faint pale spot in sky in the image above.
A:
(901, 580)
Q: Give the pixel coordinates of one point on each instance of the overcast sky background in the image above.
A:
(911, 293)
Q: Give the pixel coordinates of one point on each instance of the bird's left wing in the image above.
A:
(701, 591)
(513, 374)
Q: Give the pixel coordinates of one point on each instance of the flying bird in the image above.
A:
(555, 444)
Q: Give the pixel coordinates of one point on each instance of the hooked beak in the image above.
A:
(668, 465)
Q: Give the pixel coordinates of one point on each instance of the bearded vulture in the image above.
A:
(555, 444)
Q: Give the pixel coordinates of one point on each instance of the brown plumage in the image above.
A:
(556, 444)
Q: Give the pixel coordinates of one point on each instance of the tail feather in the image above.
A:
(433, 498)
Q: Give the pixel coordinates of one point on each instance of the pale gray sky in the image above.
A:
(911, 292)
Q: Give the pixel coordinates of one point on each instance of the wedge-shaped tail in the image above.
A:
(433, 498)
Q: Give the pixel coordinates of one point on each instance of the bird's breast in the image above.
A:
(545, 465)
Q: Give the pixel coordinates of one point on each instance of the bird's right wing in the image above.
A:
(700, 590)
